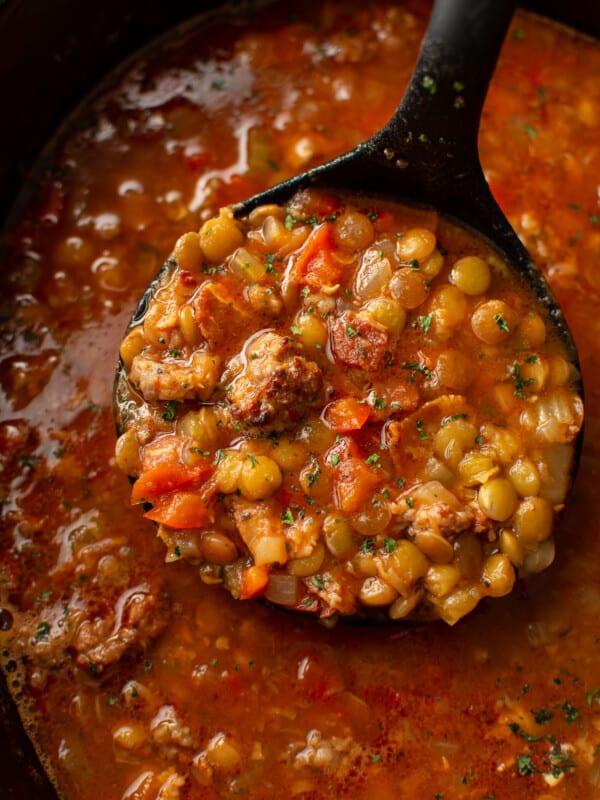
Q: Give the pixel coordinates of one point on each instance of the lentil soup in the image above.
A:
(141, 680)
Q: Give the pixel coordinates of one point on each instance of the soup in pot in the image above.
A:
(138, 675)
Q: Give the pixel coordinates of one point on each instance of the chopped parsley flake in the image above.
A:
(378, 402)
(287, 516)
(425, 322)
(525, 766)
(520, 382)
(43, 630)
(593, 696)
(518, 731)
(220, 455)
(169, 413)
(414, 366)
(571, 713)
(501, 323)
(368, 546)
(269, 260)
(429, 84)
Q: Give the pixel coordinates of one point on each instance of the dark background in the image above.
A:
(52, 52)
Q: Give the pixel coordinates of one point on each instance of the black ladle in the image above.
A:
(426, 155)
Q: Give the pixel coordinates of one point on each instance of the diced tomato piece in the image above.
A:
(346, 414)
(165, 478)
(354, 482)
(254, 582)
(315, 266)
(345, 447)
(163, 472)
(181, 509)
(164, 448)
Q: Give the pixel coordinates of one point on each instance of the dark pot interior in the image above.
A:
(51, 54)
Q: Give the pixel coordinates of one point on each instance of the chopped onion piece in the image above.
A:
(283, 589)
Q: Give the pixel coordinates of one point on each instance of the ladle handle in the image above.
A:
(427, 153)
(438, 117)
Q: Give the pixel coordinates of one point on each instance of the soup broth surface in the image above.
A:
(142, 681)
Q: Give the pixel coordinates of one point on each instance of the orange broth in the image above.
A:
(142, 682)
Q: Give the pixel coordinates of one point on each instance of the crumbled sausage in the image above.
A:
(176, 381)
(217, 309)
(435, 509)
(168, 729)
(275, 386)
(139, 615)
(357, 342)
(327, 754)
(410, 440)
